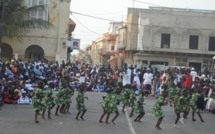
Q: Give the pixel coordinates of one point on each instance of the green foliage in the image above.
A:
(17, 19)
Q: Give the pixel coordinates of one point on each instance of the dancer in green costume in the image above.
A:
(38, 105)
(157, 111)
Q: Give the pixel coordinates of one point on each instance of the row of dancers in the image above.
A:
(182, 99)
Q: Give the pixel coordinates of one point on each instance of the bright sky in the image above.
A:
(89, 29)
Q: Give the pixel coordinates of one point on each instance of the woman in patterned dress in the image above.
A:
(194, 106)
(157, 111)
(49, 99)
(179, 107)
(80, 106)
(37, 101)
(139, 107)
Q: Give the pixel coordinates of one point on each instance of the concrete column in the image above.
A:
(16, 55)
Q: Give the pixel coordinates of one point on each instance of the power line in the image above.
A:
(110, 13)
(147, 3)
(71, 12)
(85, 26)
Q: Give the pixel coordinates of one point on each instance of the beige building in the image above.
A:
(171, 36)
(44, 43)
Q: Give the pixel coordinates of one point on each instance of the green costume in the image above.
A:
(171, 93)
(60, 97)
(80, 102)
(194, 99)
(125, 96)
(37, 100)
(49, 99)
(179, 105)
(113, 103)
(105, 104)
(139, 105)
(69, 94)
(132, 98)
(187, 103)
(157, 111)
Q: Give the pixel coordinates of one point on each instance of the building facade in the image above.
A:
(171, 36)
(44, 43)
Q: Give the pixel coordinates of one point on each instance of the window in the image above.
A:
(41, 14)
(211, 44)
(208, 64)
(180, 62)
(112, 48)
(165, 41)
(194, 42)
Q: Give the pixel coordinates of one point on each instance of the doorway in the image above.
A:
(197, 66)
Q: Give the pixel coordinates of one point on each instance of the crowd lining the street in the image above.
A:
(33, 82)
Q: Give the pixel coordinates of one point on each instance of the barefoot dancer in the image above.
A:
(139, 107)
(80, 106)
(179, 107)
(105, 107)
(60, 98)
(49, 99)
(132, 99)
(125, 97)
(171, 93)
(113, 106)
(194, 106)
(157, 111)
(37, 101)
(70, 92)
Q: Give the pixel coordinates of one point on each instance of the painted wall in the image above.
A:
(179, 24)
(51, 40)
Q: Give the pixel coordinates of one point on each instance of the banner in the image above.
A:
(75, 44)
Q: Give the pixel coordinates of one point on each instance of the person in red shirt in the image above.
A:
(188, 80)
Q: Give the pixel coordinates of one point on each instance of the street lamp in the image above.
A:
(4, 4)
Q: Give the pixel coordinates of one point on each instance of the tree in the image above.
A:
(17, 19)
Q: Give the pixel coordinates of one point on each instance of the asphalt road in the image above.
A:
(19, 119)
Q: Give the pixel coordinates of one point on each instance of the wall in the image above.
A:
(51, 40)
(179, 24)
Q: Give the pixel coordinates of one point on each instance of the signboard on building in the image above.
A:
(75, 44)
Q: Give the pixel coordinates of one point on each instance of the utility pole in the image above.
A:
(4, 4)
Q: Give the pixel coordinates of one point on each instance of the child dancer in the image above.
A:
(113, 104)
(179, 107)
(194, 106)
(139, 107)
(80, 106)
(132, 99)
(157, 111)
(37, 103)
(60, 97)
(49, 99)
(105, 106)
(125, 97)
(70, 93)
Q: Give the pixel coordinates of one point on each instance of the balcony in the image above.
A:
(110, 37)
(107, 53)
(120, 46)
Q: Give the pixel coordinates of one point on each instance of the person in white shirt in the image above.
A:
(147, 81)
(193, 73)
(126, 75)
(136, 77)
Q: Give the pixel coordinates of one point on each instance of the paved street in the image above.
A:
(19, 119)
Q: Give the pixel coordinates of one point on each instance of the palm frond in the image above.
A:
(17, 19)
